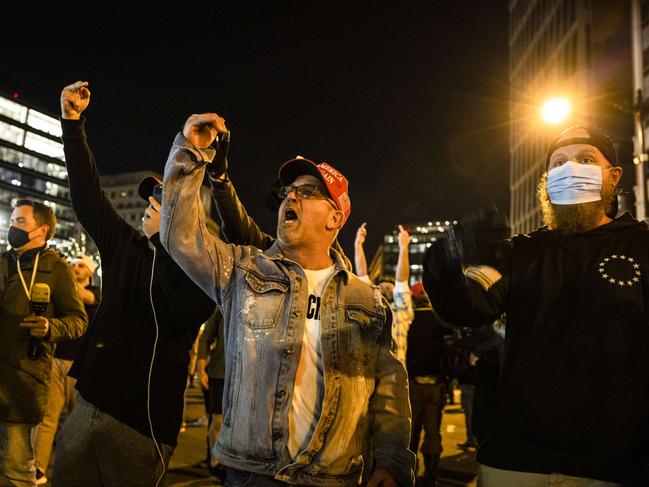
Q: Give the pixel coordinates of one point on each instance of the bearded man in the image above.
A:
(573, 403)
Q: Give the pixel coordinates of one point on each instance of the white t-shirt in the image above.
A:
(308, 390)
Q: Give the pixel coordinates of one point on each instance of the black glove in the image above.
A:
(273, 201)
(443, 258)
(219, 164)
(477, 238)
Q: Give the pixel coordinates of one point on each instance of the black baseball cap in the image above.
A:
(150, 186)
(597, 139)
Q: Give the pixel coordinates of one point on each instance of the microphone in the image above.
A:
(39, 300)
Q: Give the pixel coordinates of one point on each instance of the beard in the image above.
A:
(577, 218)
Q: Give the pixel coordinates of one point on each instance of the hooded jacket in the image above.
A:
(574, 391)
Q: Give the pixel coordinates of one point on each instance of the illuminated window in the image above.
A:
(44, 123)
(44, 146)
(13, 110)
(11, 133)
(34, 163)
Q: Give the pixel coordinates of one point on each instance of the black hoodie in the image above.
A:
(113, 365)
(574, 392)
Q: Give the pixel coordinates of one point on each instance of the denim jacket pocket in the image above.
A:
(363, 333)
(261, 302)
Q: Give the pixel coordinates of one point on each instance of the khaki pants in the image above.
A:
(17, 460)
(62, 394)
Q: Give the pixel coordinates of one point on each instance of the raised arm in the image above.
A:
(474, 297)
(236, 225)
(402, 294)
(206, 259)
(360, 262)
(92, 207)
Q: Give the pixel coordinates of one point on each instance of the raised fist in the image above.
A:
(74, 100)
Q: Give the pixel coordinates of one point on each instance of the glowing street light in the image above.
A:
(555, 110)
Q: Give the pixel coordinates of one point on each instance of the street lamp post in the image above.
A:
(640, 155)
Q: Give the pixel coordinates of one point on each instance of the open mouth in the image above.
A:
(290, 215)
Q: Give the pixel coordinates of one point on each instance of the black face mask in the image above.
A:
(17, 237)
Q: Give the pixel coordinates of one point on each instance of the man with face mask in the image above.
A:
(573, 399)
(27, 342)
(132, 367)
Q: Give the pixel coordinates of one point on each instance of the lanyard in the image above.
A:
(28, 292)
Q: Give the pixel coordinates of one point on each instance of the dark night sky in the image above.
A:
(409, 103)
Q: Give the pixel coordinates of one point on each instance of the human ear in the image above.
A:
(335, 220)
(616, 175)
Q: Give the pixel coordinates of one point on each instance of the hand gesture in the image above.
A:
(382, 477)
(200, 130)
(473, 359)
(361, 233)
(151, 218)
(404, 238)
(74, 100)
(38, 326)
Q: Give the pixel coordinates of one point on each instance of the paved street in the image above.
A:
(457, 467)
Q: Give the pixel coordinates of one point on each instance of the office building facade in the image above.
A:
(32, 165)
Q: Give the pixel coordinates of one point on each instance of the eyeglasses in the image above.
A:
(305, 191)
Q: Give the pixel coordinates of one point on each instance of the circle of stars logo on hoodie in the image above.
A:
(620, 270)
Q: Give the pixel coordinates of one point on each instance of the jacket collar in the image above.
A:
(27, 257)
(275, 253)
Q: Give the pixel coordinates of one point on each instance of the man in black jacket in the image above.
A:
(573, 399)
(132, 368)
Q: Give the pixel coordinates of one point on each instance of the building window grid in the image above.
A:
(27, 161)
(24, 176)
(536, 48)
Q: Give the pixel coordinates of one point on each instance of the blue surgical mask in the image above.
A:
(572, 183)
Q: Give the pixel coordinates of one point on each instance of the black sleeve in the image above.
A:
(457, 299)
(92, 207)
(236, 225)
(189, 304)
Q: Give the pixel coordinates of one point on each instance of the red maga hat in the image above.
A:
(336, 184)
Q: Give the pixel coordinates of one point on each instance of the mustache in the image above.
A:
(577, 218)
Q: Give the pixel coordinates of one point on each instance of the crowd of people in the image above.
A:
(314, 373)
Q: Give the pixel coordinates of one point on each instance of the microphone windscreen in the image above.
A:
(40, 293)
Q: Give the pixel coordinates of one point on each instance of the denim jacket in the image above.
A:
(262, 295)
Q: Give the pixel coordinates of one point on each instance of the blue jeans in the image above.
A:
(240, 478)
(17, 462)
(494, 477)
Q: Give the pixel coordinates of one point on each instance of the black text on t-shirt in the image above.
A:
(313, 308)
